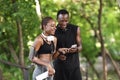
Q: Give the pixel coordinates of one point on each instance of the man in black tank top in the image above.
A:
(67, 65)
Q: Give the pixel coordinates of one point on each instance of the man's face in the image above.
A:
(63, 20)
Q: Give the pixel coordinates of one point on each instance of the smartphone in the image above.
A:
(74, 46)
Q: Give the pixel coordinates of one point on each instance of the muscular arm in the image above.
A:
(79, 42)
(78, 48)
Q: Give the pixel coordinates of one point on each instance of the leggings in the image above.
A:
(39, 70)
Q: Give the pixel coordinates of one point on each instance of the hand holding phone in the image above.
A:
(74, 46)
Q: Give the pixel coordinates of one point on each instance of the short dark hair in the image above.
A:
(45, 20)
(62, 11)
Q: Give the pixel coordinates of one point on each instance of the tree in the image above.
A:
(19, 24)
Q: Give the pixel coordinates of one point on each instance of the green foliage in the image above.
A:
(12, 72)
(81, 13)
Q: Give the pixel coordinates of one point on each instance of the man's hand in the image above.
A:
(72, 50)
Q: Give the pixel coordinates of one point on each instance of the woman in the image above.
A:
(43, 48)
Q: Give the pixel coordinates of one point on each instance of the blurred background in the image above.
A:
(100, 32)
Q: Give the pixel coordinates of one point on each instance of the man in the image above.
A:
(66, 64)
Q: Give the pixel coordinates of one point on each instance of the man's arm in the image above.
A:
(77, 48)
(79, 42)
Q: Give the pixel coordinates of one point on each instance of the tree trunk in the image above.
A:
(102, 42)
(1, 76)
(99, 39)
(20, 40)
(13, 53)
(38, 9)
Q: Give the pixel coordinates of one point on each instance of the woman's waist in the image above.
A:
(45, 58)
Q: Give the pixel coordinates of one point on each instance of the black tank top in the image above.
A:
(46, 48)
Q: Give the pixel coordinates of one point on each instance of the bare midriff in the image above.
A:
(45, 57)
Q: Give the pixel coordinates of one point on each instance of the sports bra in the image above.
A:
(46, 48)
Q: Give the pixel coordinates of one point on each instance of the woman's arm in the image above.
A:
(34, 48)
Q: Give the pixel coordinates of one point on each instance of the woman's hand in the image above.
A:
(35, 59)
(63, 50)
(51, 70)
(62, 57)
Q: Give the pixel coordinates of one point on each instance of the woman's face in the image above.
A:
(63, 20)
(50, 27)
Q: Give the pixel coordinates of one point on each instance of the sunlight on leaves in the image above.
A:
(98, 45)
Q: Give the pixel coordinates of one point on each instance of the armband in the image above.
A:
(32, 53)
